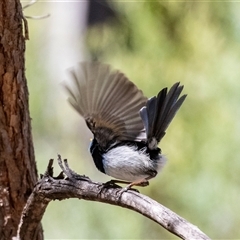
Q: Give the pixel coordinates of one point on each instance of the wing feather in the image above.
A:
(107, 99)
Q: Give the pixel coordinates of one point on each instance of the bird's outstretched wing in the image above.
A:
(108, 101)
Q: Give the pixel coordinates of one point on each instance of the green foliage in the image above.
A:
(194, 43)
(156, 44)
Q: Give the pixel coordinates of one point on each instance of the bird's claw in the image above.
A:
(125, 189)
(108, 185)
(111, 184)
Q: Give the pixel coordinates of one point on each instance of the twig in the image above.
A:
(26, 31)
(79, 186)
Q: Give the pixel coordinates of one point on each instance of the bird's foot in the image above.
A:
(111, 184)
(141, 183)
(108, 185)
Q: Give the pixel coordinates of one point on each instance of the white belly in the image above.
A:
(126, 163)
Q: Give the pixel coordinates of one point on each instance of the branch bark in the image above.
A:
(49, 188)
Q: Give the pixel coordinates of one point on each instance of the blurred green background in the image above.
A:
(155, 43)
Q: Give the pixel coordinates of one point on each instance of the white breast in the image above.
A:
(129, 164)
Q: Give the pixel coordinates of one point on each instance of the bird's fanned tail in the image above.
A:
(159, 112)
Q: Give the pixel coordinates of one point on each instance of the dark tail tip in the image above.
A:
(160, 111)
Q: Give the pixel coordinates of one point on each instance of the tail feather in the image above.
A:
(160, 111)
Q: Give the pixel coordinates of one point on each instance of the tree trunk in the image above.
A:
(18, 172)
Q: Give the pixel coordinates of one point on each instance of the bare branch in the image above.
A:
(77, 186)
(26, 31)
(29, 4)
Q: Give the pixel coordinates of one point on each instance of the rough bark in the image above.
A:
(17, 165)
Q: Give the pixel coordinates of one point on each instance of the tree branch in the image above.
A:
(76, 186)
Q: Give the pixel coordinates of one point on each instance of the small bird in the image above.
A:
(126, 126)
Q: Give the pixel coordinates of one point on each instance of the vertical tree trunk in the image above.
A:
(17, 165)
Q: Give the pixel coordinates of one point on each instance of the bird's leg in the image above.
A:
(113, 184)
(142, 182)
